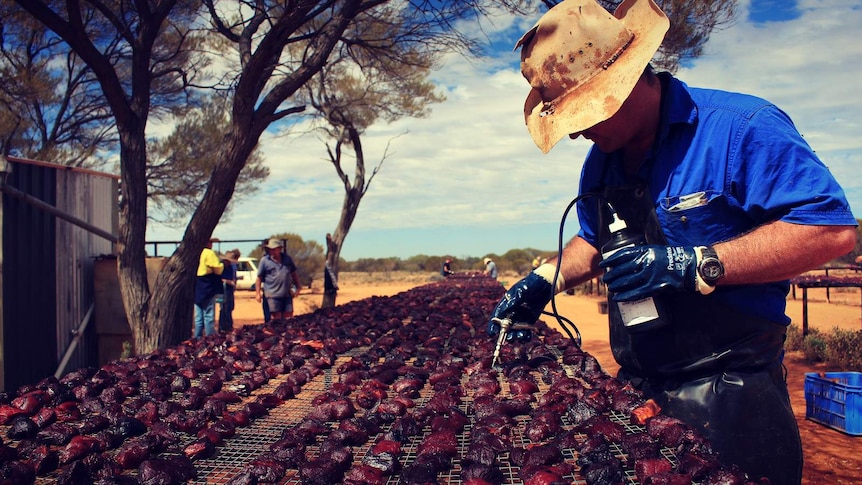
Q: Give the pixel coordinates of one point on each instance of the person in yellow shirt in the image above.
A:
(207, 286)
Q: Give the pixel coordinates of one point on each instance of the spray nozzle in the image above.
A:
(617, 224)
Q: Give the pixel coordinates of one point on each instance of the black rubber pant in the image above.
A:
(746, 416)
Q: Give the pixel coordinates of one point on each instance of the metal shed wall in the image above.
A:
(48, 267)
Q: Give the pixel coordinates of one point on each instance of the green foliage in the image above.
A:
(794, 337)
(843, 349)
(180, 165)
(814, 346)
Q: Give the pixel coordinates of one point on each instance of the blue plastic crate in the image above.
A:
(835, 400)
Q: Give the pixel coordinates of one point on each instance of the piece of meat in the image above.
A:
(608, 472)
(519, 405)
(639, 446)
(56, 434)
(79, 447)
(386, 462)
(698, 465)
(199, 449)
(644, 411)
(523, 386)
(542, 476)
(103, 469)
(224, 427)
(269, 400)
(229, 397)
(211, 435)
(128, 427)
(543, 424)
(602, 425)
(290, 451)
(443, 442)
(651, 467)
(424, 470)
(17, 471)
(321, 471)
(667, 478)
(365, 475)
(166, 470)
(21, 428)
(44, 416)
(669, 431)
(7, 413)
(43, 459)
(475, 474)
(239, 418)
(30, 402)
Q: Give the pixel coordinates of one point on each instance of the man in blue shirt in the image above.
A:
(729, 201)
(277, 278)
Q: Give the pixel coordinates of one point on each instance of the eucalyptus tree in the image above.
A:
(179, 164)
(51, 106)
(141, 51)
(361, 87)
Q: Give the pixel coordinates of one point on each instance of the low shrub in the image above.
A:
(794, 337)
(814, 346)
(843, 349)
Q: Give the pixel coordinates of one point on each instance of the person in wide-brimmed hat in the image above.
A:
(730, 202)
(277, 282)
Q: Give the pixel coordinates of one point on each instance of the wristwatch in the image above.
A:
(709, 269)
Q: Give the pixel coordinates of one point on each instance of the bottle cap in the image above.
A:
(617, 224)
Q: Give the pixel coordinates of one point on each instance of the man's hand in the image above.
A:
(639, 272)
(523, 303)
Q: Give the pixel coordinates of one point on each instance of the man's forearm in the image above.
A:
(580, 262)
(780, 250)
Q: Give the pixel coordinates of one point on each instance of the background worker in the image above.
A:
(228, 279)
(446, 269)
(207, 285)
(731, 202)
(490, 268)
(277, 278)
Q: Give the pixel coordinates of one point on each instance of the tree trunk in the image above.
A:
(352, 197)
(333, 250)
(131, 257)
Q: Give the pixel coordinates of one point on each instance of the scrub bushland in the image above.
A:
(839, 348)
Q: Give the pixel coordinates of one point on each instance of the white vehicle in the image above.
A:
(246, 273)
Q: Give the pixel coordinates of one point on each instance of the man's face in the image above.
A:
(615, 132)
(609, 135)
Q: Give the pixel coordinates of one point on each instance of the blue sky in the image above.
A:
(468, 180)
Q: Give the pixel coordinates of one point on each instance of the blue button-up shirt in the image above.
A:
(723, 164)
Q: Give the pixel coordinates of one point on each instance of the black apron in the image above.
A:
(717, 369)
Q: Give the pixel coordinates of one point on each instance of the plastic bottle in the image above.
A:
(639, 315)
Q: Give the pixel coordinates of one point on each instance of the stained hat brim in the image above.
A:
(601, 96)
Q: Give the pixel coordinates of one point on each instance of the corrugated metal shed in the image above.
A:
(48, 267)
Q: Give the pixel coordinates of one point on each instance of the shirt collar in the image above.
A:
(676, 103)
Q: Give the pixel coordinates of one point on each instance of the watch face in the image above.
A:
(711, 270)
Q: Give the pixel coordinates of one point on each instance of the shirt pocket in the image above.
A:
(697, 218)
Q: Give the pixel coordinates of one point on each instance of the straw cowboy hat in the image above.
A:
(582, 63)
(273, 244)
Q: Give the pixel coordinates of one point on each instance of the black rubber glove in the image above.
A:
(523, 303)
(638, 272)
